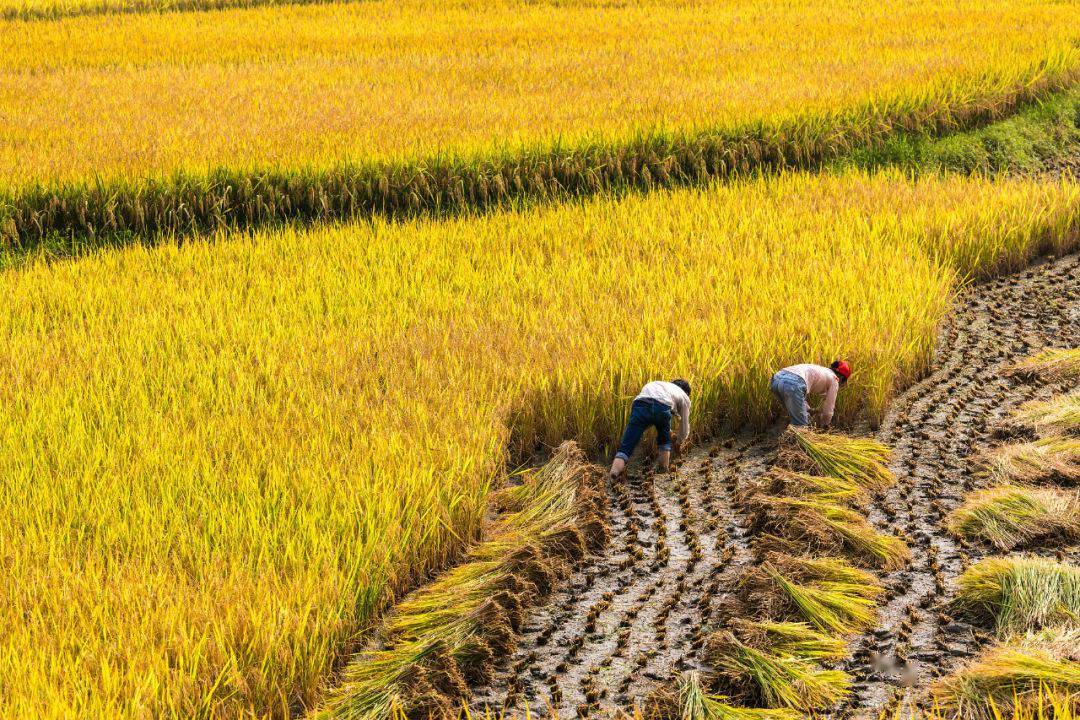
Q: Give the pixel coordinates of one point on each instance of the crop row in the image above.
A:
(72, 215)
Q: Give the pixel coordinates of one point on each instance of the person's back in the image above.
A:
(666, 392)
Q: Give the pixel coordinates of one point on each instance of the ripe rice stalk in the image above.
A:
(1012, 516)
(768, 599)
(696, 704)
(1018, 594)
(833, 607)
(827, 570)
(779, 481)
(823, 525)
(1052, 459)
(789, 639)
(1019, 678)
(860, 461)
(447, 634)
(1057, 416)
(1057, 364)
(775, 681)
(1045, 704)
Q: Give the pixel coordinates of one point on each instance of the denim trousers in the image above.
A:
(790, 390)
(646, 413)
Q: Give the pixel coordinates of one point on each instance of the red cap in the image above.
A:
(841, 368)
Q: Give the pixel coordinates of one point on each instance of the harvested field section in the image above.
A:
(627, 620)
(1031, 603)
(939, 428)
(196, 429)
(701, 588)
(349, 109)
(450, 633)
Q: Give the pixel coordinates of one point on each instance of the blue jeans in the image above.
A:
(646, 413)
(790, 390)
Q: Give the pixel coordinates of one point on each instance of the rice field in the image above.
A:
(344, 109)
(228, 441)
(299, 86)
(219, 459)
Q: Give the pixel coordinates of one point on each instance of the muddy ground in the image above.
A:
(633, 618)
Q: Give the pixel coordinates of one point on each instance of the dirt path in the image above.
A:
(630, 619)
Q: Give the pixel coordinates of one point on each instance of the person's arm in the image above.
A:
(829, 404)
(684, 422)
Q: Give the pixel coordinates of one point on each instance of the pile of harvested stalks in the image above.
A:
(1020, 678)
(1012, 516)
(796, 611)
(822, 525)
(1018, 594)
(858, 461)
(1057, 416)
(445, 637)
(1050, 459)
(1056, 365)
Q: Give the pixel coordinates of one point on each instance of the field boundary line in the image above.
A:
(66, 218)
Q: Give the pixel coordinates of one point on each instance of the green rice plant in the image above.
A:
(1057, 364)
(1012, 516)
(860, 461)
(1018, 594)
(824, 525)
(696, 704)
(1057, 416)
(776, 680)
(833, 607)
(1026, 675)
(1046, 459)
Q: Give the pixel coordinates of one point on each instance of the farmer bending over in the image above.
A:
(794, 384)
(653, 408)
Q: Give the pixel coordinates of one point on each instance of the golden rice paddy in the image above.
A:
(298, 86)
(217, 459)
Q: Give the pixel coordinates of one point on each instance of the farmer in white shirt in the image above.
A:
(793, 385)
(653, 407)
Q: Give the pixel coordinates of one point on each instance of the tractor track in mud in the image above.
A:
(629, 620)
